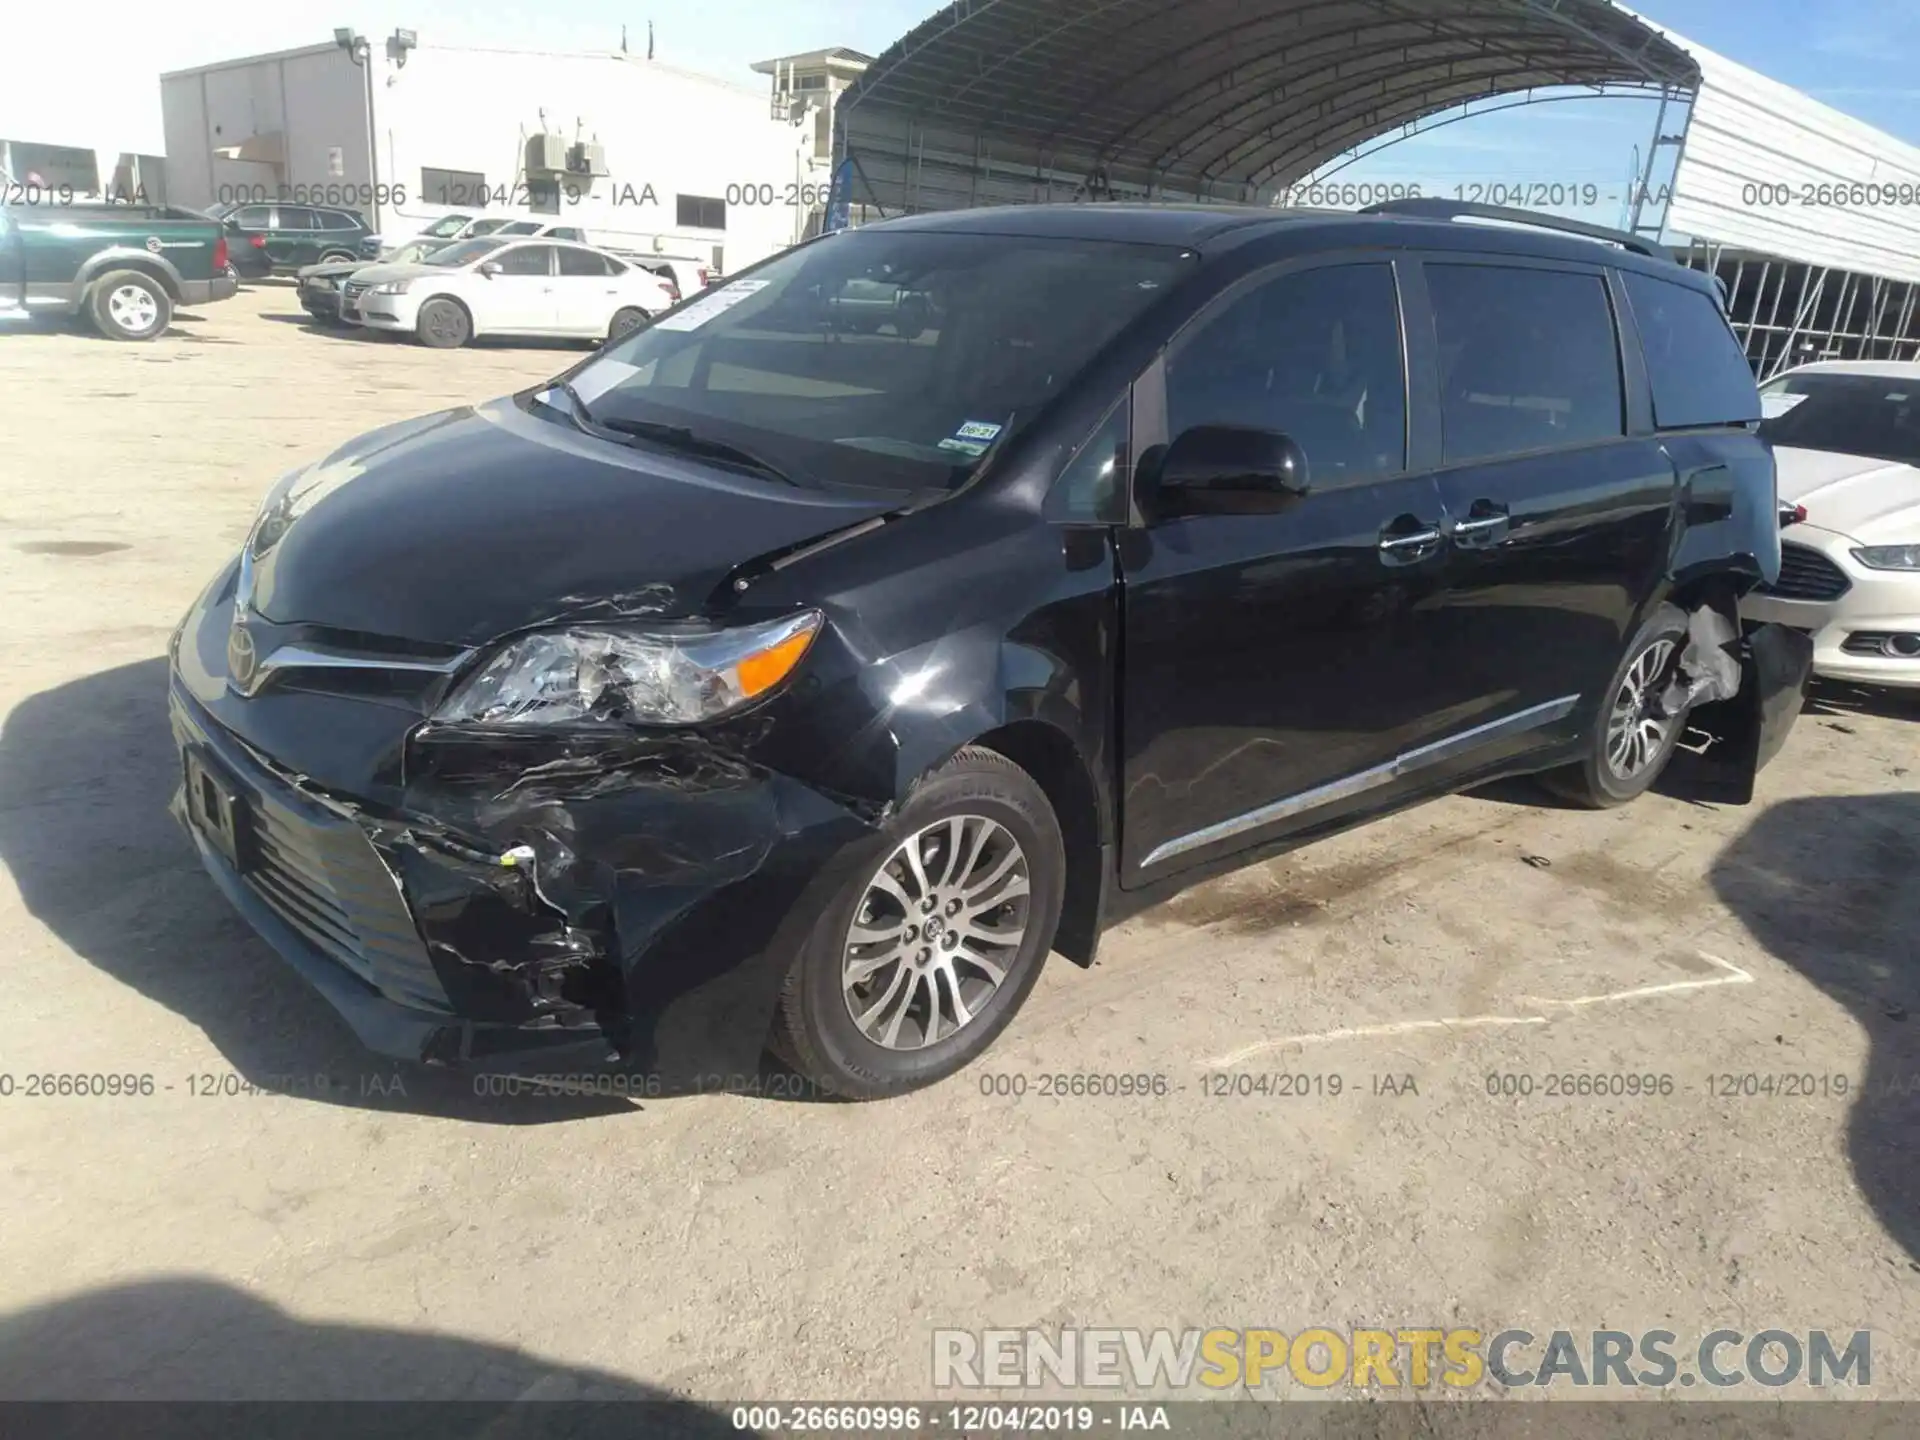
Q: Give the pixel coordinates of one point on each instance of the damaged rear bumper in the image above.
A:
(643, 914)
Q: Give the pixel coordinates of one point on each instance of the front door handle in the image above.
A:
(1409, 540)
(1403, 544)
(1486, 523)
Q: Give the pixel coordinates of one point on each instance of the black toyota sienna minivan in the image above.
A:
(802, 670)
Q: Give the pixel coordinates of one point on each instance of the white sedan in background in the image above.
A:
(506, 287)
(1846, 438)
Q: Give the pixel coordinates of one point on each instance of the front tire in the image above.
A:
(1630, 740)
(127, 305)
(443, 325)
(917, 965)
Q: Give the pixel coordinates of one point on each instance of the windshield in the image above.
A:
(465, 252)
(1877, 416)
(447, 226)
(414, 251)
(878, 358)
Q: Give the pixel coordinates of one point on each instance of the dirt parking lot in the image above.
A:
(392, 1234)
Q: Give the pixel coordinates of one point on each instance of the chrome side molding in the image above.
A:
(1434, 753)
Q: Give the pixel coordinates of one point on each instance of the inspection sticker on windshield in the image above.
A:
(594, 381)
(972, 438)
(707, 306)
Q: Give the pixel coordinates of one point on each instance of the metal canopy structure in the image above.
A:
(997, 101)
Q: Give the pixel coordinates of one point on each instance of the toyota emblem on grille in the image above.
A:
(243, 659)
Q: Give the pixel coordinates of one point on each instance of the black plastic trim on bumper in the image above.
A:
(383, 1024)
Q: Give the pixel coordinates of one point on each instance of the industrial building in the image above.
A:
(640, 153)
(1810, 216)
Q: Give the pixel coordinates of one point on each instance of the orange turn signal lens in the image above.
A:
(761, 671)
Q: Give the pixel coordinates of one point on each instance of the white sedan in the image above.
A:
(506, 287)
(1846, 438)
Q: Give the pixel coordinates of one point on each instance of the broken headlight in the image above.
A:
(587, 675)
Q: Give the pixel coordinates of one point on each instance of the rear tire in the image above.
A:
(919, 963)
(625, 321)
(443, 324)
(1627, 746)
(127, 305)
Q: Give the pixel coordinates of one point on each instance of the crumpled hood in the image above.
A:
(1872, 501)
(459, 527)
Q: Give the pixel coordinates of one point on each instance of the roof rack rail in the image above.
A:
(1434, 207)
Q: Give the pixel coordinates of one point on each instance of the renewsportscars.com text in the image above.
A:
(1321, 1358)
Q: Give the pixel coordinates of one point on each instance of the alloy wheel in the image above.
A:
(936, 932)
(1637, 732)
(133, 308)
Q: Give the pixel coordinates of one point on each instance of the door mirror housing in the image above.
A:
(491, 268)
(1230, 470)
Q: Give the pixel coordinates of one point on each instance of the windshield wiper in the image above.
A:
(679, 437)
(676, 437)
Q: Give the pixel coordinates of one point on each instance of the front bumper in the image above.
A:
(381, 312)
(650, 908)
(323, 304)
(1876, 602)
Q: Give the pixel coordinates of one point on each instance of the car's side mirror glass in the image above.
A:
(1229, 470)
(492, 268)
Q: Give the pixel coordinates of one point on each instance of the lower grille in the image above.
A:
(1806, 574)
(321, 875)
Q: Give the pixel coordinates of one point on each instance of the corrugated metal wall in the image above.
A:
(1768, 169)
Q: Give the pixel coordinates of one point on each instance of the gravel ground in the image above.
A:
(395, 1235)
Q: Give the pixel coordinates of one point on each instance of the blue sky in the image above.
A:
(1861, 56)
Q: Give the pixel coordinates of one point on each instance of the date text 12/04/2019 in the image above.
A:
(963, 1419)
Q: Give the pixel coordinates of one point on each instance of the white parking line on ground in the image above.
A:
(1733, 975)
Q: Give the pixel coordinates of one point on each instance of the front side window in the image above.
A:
(884, 359)
(527, 260)
(1877, 416)
(483, 227)
(519, 227)
(1528, 359)
(1314, 355)
(298, 217)
(252, 217)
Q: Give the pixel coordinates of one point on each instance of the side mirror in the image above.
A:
(1230, 470)
(491, 268)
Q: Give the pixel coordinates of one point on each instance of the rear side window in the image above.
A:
(1528, 360)
(1700, 375)
(297, 217)
(581, 262)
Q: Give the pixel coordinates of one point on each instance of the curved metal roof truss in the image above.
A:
(1212, 97)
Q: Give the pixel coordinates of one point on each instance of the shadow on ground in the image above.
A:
(86, 772)
(191, 1339)
(1831, 885)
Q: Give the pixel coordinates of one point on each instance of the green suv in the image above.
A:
(281, 239)
(124, 267)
